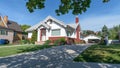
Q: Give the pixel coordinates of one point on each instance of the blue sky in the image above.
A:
(97, 15)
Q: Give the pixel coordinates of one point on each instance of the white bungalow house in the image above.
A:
(51, 29)
(91, 39)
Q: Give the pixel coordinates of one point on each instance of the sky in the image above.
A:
(94, 18)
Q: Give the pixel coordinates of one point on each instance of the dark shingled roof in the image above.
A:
(14, 26)
(3, 27)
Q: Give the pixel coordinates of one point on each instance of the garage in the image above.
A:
(92, 39)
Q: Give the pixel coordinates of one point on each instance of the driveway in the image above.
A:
(55, 57)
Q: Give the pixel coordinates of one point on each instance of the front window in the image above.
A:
(3, 32)
(56, 32)
(15, 33)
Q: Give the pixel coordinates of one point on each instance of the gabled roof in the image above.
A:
(10, 25)
(45, 25)
(4, 28)
(56, 20)
(74, 26)
(92, 36)
(42, 23)
(14, 26)
(34, 27)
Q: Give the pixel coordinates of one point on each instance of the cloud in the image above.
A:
(97, 22)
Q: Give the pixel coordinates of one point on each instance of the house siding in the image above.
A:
(56, 26)
(29, 35)
(8, 37)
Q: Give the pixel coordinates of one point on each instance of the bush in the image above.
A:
(56, 42)
(25, 41)
(102, 42)
(60, 41)
(34, 37)
(47, 42)
(80, 42)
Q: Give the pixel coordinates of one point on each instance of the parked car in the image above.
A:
(4, 41)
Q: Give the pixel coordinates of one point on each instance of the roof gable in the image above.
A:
(43, 23)
(56, 20)
(92, 36)
(14, 26)
(11, 25)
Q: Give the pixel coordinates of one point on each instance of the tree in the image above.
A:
(34, 37)
(76, 6)
(114, 32)
(104, 35)
(24, 27)
(88, 32)
(105, 31)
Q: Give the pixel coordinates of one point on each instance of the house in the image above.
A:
(9, 30)
(91, 39)
(52, 29)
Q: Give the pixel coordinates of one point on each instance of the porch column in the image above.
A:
(38, 35)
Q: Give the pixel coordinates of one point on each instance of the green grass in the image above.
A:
(11, 50)
(100, 53)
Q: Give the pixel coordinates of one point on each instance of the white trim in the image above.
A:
(38, 35)
(43, 23)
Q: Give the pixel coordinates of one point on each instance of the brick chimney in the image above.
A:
(0, 18)
(76, 20)
(5, 19)
(77, 29)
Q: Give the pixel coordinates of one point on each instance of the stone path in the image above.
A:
(56, 57)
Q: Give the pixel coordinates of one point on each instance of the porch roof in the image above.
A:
(34, 27)
(73, 26)
(38, 25)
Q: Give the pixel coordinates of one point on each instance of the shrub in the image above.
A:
(25, 41)
(47, 42)
(102, 42)
(80, 42)
(56, 42)
(60, 41)
(34, 37)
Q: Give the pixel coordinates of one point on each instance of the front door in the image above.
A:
(43, 34)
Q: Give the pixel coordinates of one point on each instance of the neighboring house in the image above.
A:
(91, 39)
(9, 30)
(52, 29)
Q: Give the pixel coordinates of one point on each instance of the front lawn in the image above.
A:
(100, 53)
(10, 50)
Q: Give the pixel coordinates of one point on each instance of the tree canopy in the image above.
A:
(65, 6)
(105, 31)
(24, 27)
(113, 33)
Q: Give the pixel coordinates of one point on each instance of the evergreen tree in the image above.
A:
(105, 31)
(34, 37)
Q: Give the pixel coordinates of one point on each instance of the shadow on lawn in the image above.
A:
(57, 57)
(101, 54)
(37, 47)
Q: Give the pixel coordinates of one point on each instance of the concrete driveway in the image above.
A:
(55, 57)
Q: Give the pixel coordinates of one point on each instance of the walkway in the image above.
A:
(56, 57)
